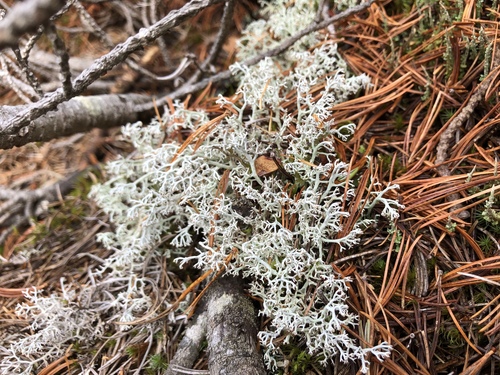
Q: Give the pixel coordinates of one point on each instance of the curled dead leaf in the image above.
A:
(265, 165)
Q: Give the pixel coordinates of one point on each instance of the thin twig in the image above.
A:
(16, 124)
(225, 75)
(30, 77)
(63, 57)
(105, 63)
(105, 39)
(21, 205)
(447, 138)
(26, 17)
(227, 17)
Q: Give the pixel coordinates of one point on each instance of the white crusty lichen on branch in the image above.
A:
(162, 191)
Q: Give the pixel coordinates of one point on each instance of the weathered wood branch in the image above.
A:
(21, 205)
(22, 124)
(23, 120)
(232, 330)
(77, 115)
(190, 346)
(26, 16)
(227, 319)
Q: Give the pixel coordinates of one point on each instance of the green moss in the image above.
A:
(399, 122)
(401, 6)
(453, 337)
(389, 162)
(77, 348)
(132, 351)
(479, 294)
(157, 362)
(110, 343)
(376, 273)
(299, 361)
(82, 187)
(446, 114)
(486, 244)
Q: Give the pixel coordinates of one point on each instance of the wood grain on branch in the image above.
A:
(190, 346)
(24, 124)
(232, 330)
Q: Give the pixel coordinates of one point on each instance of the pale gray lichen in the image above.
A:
(283, 262)
(56, 322)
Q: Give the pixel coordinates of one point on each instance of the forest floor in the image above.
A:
(430, 122)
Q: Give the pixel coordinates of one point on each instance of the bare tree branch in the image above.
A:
(63, 57)
(20, 125)
(190, 346)
(232, 330)
(29, 114)
(25, 17)
(191, 87)
(77, 115)
(447, 139)
(21, 205)
(221, 36)
(30, 77)
(314, 26)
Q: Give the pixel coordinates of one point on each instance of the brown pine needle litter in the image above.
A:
(436, 296)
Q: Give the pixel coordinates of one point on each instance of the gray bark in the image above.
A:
(232, 330)
(16, 123)
(77, 115)
(25, 17)
(190, 346)
(24, 118)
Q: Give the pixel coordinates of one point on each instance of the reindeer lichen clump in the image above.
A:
(162, 191)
